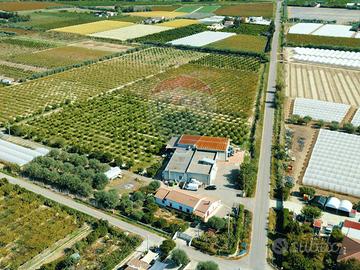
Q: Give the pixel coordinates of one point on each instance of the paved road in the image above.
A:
(258, 252)
(153, 238)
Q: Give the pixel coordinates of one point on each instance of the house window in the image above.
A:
(170, 204)
(187, 210)
(180, 207)
(163, 201)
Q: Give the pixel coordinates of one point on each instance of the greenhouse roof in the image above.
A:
(201, 39)
(356, 119)
(334, 163)
(10, 152)
(304, 28)
(334, 30)
(320, 110)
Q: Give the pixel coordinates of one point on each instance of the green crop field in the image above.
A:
(241, 43)
(188, 9)
(15, 73)
(208, 9)
(88, 81)
(248, 29)
(306, 40)
(247, 9)
(28, 226)
(57, 57)
(173, 34)
(214, 95)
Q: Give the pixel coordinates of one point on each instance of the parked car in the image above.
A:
(211, 187)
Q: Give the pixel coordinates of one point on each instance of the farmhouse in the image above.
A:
(194, 157)
(203, 207)
(113, 173)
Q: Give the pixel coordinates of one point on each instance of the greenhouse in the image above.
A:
(13, 153)
(334, 30)
(356, 119)
(333, 203)
(304, 28)
(345, 206)
(329, 57)
(334, 163)
(320, 110)
(201, 39)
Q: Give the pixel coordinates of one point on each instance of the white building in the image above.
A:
(203, 207)
(113, 173)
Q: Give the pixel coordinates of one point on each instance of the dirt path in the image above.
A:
(57, 250)
(22, 66)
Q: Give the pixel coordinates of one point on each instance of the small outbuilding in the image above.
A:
(333, 203)
(113, 173)
(345, 206)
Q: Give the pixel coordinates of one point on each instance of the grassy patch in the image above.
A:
(248, 29)
(165, 8)
(57, 57)
(241, 43)
(178, 23)
(247, 9)
(188, 9)
(306, 40)
(208, 9)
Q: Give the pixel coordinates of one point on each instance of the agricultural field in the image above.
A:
(93, 27)
(327, 3)
(14, 73)
(194, 98)
(165, 8)
(102, 46)
(241, 43)
(28, 225)
(20, 6)
(188, 9)
(178, 23)
(201, 39)
(323, 83)
(249, 29)
(166, 14)
(208, 9)
(247, 9)
(131, 32)
(306, 40)
(88, 81)
(58, 57)
(46, 20)
(172, 34)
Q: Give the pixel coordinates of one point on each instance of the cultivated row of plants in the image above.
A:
(30, 224)
(82, 83)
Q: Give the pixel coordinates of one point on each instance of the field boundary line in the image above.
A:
(59, 246)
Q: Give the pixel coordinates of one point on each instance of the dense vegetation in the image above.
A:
(248, 29)
(247, 9)
(172, 34)
(88, 81)
(241, 42)
(103, 248)
(68, 172)
(134, 122)
(323, 42)
(30, 224)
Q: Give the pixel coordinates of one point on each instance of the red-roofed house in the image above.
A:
(351, 229)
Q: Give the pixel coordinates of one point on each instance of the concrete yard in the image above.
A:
(340, 15)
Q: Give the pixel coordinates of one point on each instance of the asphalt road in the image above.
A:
(153, 239)
(258, 252)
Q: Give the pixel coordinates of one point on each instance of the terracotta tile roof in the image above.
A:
(138, 264)
(317, 223)
(205, 142)
(183, 198)
(352, 224)
(161, 193)
(204, 206)
(350, 249)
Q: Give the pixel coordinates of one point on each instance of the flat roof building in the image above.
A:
(195, 157)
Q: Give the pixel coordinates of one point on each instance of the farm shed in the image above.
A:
(201, 39)
(320, 110)
(113, 173)
(10, 152)
(212, 20)
(334, 163)
(333, 203)
(203, 207)
(345, 206)
(356, 119)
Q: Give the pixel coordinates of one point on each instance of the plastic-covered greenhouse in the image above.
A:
(13, 153)
(320, 110)
(335, 163)
(356, 119)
